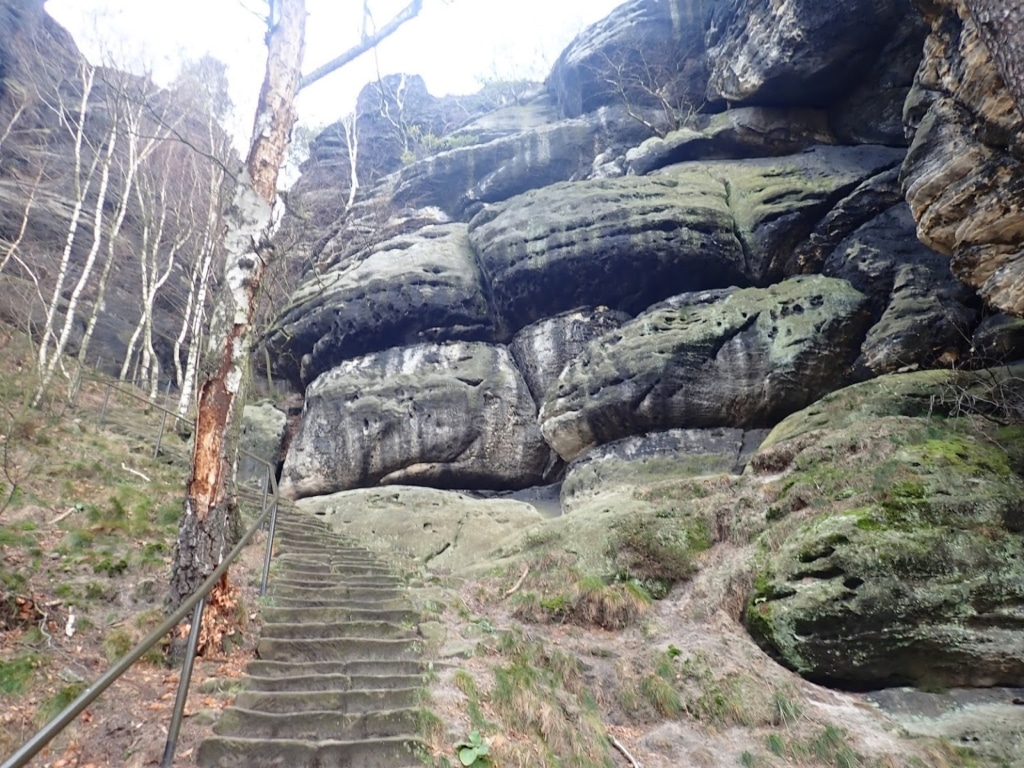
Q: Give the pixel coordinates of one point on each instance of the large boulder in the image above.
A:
(645, 52)
(455, 415)
(962, 172)
(410, 289)
(738, 133)
(645, 460)
(624, 243)
(895, 556)
(738, 357)
(799, 53)
(462, 179)
(542, 350)
(777, 202)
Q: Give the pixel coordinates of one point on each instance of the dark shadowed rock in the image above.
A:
(801, 53)
(999, 339)
(873, 196)
(872, 113)
(420, 287)
(542, 350)
(738, 133)
(924, 316)
(739, 358)
(641, 49)
(455, 416)
(623, 243)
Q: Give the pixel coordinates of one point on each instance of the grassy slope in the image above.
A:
(87, 531)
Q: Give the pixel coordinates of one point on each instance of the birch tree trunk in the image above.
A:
(209, 518)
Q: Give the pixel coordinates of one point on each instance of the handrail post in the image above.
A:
(103, 410)
(160, 437)
(183, 685)
(266, 488)
(270, 547)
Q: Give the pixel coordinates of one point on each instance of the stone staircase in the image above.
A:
(339, 675)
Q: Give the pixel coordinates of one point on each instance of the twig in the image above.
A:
(618, 745)
(126, 468)
(58, 518)
(518, 584)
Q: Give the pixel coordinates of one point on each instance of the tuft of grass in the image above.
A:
(658, 552)
(16, 673)
(117, 643)
(540, 694)
(587, 601)
(56, 703)
(661, 695)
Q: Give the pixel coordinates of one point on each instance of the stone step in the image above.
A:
(337, 649)
(277, 614)
(333, 682)
(222, 752)
(316, 725)
(358, 591)
(317, 583)
(347, 629)
(334, 598)
(355, 667)
(291, 575)
(356, 701)
(332, 567)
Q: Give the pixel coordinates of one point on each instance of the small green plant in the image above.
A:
(50, 709)
(117, 643)
(473, 751)
(15, 673)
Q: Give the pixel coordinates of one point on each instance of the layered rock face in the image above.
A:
(962, 174)
(698, 230)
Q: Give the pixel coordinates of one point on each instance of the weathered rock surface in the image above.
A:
(738, 133)
(912, 574)
(455, 415)
(410, 289)
(777, 202)
(655, 456)
(624, 243)
(542, 350)
(802, 53)
(961, 175)
(739, 357)
(460, 181)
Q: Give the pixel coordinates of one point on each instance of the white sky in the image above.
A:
(452, 44)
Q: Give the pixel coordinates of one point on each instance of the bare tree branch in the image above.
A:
(365, 44)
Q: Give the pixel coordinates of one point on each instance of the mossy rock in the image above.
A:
(896, 556)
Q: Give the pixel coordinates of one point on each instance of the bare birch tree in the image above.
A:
(209, 515)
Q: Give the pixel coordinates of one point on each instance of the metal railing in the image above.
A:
(195, 603)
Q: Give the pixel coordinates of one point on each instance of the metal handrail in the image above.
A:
(195, 603)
